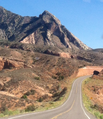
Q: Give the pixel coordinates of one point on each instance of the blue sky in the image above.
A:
(84, 18)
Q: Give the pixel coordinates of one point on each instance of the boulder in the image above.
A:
(95, 72)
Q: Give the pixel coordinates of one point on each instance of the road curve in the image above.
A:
(71, 109)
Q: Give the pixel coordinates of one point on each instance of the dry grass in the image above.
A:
(90, 100)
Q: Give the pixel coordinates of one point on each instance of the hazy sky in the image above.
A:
(84, 18)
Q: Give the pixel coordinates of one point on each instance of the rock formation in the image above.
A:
(98, 75)
(45, 30)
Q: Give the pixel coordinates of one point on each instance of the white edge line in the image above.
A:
(47, 110)
(81, 99)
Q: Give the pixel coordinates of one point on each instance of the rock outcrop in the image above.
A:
(7, 63)
(61, 54)
(99, 75)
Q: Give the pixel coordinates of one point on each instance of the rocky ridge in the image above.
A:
(45, 30)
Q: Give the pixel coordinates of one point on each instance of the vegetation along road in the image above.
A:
(71, 109)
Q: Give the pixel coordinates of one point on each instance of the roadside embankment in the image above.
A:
(88, 70)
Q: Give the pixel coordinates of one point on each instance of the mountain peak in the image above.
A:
(47, 17)
(46, 12)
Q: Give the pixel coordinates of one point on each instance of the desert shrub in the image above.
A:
(32, 92)
(24, 97)
(28, 93)
(3, 108)
(95, 106)
(56, 94)
(98, 115)
(45, 96)
(40, 99)
(30, 108)
(58, 73)
(37, 78)
(54, 77)
(61, 78)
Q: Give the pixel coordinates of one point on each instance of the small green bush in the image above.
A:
(40, 99)
(27, 94)
(58, 73)
(101, 116)
(3, 108)
(61, 78)
(56, 94)
(54, 77)
(37, 78)
(24, 97)
(30, 108)
(32, 92)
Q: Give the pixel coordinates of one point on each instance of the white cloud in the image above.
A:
(88, 1)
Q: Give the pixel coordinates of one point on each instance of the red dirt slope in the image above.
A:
(88, 70)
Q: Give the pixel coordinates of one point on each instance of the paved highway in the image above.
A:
(71, 109)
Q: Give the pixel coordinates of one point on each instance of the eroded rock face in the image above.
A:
(65, 55)
(3, 35)
(7, 64)
(14, 64)
(30, 39)
(4, 80)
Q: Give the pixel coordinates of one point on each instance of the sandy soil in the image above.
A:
(88, 70)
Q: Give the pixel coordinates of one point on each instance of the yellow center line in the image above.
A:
(64, 112)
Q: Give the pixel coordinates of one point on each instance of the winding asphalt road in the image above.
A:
(71, 109)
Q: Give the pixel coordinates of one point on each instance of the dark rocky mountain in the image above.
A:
(45, 30)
